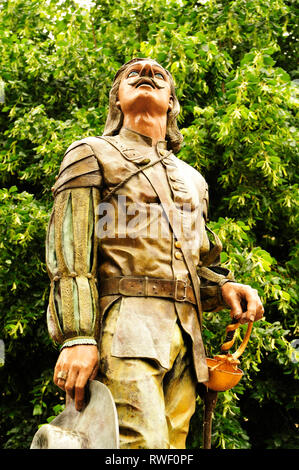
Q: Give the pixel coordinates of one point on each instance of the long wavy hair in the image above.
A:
(115, 116)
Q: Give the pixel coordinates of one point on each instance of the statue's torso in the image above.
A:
(136, 239)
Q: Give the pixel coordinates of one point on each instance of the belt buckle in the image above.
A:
(182, 299)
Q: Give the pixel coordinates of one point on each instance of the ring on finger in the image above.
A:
(62, 375)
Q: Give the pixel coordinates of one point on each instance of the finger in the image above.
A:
(58, 381)
(71, 381)
(61, 384)
(235, 304)
(80, 390)
(56, 370)
(55, 376)
(244, 318)
(94, 372)
(61, 365)
(260, 311)
(253, 306)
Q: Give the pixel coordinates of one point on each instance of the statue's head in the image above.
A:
(114, 120)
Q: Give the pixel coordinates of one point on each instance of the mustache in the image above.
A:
(149, 80)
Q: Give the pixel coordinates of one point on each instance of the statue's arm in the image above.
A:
(71, 258)
(218, 287)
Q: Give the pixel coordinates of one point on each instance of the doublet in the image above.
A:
(108, 226)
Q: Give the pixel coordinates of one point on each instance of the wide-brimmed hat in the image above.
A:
(95, 427)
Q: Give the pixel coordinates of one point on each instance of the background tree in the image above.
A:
(234, 65)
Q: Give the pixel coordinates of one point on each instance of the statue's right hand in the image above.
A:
(74, 367)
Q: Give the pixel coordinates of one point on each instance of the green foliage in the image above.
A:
(234, 64)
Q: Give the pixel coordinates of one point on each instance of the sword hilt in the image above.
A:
(231, 335)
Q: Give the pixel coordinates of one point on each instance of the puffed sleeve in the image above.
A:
(72, 247)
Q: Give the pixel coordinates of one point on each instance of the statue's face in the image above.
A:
(145, 87)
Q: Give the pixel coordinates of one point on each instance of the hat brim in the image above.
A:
(95, 427)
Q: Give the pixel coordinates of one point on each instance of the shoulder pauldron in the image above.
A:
(79, 168)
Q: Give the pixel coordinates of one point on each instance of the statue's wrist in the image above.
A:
(223, 283)
(78, 341)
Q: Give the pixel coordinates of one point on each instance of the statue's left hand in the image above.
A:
(75, 366)
(235, 295)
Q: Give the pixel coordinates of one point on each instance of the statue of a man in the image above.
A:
(126, 300)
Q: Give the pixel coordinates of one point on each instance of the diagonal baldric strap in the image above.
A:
(169, 208)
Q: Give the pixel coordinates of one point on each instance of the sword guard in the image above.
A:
(230, 341)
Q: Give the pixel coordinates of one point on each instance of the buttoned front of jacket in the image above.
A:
(147, 248)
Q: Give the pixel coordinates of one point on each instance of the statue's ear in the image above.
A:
(170, 106)
(118, 104)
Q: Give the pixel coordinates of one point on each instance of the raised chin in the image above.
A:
(146, 100)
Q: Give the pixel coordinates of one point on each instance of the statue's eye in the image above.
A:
(159, 75)
(133, 74)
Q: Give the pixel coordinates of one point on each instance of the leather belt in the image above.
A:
(176, 289)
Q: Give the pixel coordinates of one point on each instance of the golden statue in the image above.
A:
(133, 265)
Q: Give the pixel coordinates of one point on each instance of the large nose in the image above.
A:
(147, 70)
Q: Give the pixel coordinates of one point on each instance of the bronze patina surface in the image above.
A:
(133, 265)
